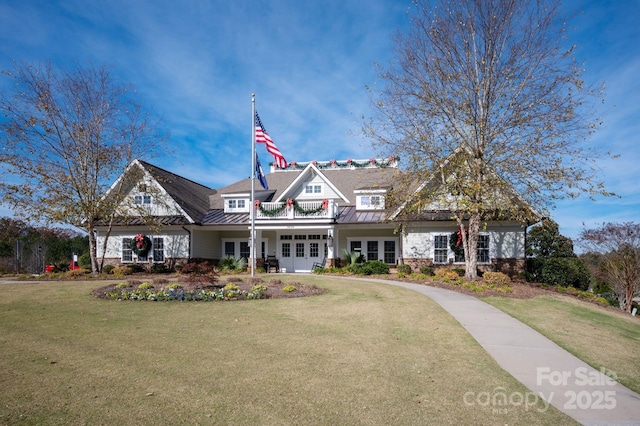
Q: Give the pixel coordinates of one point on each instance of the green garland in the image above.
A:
(343, 164)
(272, 212)
(296, 207)
(304, 212)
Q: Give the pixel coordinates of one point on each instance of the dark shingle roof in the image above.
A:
(192, 197)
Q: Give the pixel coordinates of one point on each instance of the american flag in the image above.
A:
(263, 137)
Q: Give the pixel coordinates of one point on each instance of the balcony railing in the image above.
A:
(299, 210)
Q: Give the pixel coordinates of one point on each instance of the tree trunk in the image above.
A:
(93, 250)
(471, 247)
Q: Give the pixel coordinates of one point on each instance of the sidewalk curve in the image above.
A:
(561, 379)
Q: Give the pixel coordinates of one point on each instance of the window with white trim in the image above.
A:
(440, 249)
(370, 201)
(158, 249)
(127, 253)
(313, 189)
(142, 199)
(483, 251)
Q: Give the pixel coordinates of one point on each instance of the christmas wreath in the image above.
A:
(141, 245)
(455, 242)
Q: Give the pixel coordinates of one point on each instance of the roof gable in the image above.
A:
(307, 175)
(189, 196)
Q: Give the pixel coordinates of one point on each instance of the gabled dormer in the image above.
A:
(370, 199)
(310, 185)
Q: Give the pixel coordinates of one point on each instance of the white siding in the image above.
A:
(176, 243)
(205, 244)
(507, 240)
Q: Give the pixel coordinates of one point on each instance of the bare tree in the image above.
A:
(67, 134)
(483, 97)
(619, 263)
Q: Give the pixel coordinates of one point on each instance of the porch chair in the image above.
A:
(271, 263)
(319, 264)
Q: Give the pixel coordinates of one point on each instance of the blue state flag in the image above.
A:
(260, 174)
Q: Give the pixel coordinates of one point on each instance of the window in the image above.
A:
(244, 250)
(299, 237)
(372, 250)
(229, 248)
(299, 249)
(286, 237)
(355, 246)
(286, 249)
(313, 189)
(483, 248)
(127, 253)
(440, 249)
(142, 199)
(158, 249)
(314, 250)
(390, 252)
(232, 204)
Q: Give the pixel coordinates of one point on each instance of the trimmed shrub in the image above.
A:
(559, 271)
(84, 261)
(459, 271)
(566, 271)
(446, 274)
(137, 267)
(496, 279)
(121, 271)
(77, 273)
(159, 268)
(145, 286)
(404, 269)
(289, 288)
(427, 270)
(374, 267)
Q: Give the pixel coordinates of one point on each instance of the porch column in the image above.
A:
(332, 246)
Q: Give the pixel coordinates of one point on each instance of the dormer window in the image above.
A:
(370, 199)
(236, 205)
(313, 189)
(142, 199)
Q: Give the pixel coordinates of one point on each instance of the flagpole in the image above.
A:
(252, 209)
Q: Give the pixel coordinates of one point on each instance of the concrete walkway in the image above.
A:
(561, 379)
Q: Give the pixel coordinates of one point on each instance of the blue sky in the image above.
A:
(308, 62)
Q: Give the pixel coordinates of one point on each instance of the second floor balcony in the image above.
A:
(298, 210)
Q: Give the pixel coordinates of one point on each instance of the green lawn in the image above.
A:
(602, 338)
(364, 353)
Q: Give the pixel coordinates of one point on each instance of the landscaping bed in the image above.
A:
(232, 288)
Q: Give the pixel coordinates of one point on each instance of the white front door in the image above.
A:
(298, 253)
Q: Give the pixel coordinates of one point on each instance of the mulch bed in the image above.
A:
(274, 286)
